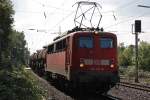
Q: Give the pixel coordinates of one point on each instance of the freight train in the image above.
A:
(82, 57)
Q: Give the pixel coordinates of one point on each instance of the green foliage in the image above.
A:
(122, 70)
(144, 56)
(125, 56)
(6, 20)
(144, 74)
(130, 71)
(16, 84)
(19, 52)
(12, 43)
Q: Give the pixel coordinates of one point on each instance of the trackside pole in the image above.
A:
(137, 31)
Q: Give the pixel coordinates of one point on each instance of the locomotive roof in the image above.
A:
(63, 36)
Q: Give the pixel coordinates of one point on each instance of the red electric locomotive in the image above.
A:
(84, 58)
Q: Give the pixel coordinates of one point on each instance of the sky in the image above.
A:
(54, 16)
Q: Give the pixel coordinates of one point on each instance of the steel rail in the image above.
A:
(135, 86)
(113, 97)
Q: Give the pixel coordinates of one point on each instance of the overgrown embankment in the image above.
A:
(19, 84)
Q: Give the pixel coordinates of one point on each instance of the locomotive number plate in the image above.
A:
(88, 61)
(96, 62)
(105, 62)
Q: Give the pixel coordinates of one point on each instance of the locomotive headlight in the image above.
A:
(96, 32)
(81, 65)
(112, 66)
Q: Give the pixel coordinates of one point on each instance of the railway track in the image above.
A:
(110, 97)
(135, 86)
(55, 93)
(96, 97)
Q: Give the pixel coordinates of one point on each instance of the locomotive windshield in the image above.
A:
(86, 42)
(106, 43)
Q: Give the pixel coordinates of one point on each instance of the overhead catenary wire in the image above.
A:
(45, 15)
(38, 12)
(63, 19)
(126, 5)
(62, 4)
(71, 12)
(119, 8)
(50, 6)
(124, 21)
(47, 5)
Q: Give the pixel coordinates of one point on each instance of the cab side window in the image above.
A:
(51, 48)
(61, 45)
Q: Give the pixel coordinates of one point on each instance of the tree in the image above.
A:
(19, 51)
(144, 56)
(12, 43)
(121, 49)
(126, 55)
(6, 21)
(15, 83)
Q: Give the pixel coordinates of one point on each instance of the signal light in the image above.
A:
(137, 25)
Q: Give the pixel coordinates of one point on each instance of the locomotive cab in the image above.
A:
(94, 58)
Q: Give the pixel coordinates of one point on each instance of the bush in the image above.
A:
(144, 74)
(122, 70)
(130, 71)
(16, 84)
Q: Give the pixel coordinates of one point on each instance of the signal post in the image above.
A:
(137, 31)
